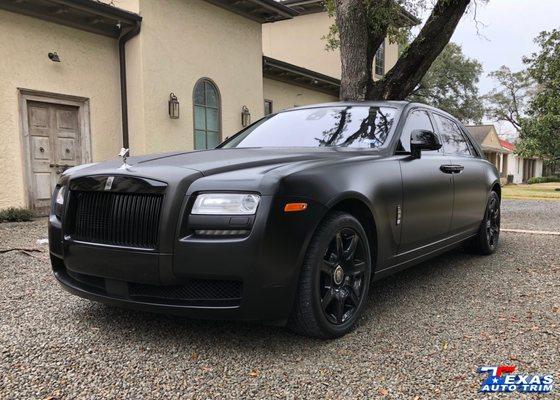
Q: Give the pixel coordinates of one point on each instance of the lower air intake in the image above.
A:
(195, 290)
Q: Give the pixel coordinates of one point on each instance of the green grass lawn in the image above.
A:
(537, 191)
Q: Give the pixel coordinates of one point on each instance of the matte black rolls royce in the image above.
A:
(287, 221)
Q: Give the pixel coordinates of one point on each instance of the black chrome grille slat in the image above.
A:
(114, 218)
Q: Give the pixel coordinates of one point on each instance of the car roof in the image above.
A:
(393, 103)
(400, 104)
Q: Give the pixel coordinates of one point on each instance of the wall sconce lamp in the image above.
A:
(173, 106)
(54, 57)
(245, 116)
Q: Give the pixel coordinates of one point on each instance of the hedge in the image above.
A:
(14, 214)
(543, 179)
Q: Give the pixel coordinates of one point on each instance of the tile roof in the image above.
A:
(507, 145)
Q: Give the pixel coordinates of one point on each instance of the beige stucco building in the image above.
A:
(81, 78)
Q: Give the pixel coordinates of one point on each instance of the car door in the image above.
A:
(427, 190)
(469, 182)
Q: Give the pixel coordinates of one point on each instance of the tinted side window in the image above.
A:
(452, 138)
(418, 119)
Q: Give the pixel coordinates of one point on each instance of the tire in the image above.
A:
(334, 280)
(486, 240)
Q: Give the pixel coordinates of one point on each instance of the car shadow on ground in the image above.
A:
(157, 330)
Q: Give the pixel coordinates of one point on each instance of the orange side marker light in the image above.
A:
(295, 207)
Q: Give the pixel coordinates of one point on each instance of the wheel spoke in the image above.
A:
(339, 247)
(340, 300)
(353, 296)
(327, 299)
(351, 250)
(327, 267)
(358, 268)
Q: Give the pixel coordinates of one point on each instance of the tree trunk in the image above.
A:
(357, 48)
(407, 73)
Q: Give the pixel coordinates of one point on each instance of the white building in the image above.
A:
(513, 168)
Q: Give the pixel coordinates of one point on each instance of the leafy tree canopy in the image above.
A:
(451, 84)
(540, 133)
(509, 101)
(362, 26)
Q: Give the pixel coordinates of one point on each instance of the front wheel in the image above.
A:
(486, 240)
(334, 280)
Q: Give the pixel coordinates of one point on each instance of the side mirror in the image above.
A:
(423, 140)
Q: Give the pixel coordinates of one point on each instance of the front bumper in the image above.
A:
(249, 278)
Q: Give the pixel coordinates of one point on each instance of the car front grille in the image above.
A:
(121, 219)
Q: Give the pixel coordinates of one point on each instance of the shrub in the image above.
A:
(16, 214)
(543, 179)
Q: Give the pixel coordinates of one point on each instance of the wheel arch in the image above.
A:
(496, 187)
(357, 207)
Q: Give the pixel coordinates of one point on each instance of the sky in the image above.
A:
(505, 34)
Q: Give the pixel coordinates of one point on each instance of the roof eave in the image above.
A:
(290, 73)
(87, 15)
(261, 11)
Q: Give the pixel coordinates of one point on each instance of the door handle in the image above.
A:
(446, 168)
(451, 168)
(458, 168)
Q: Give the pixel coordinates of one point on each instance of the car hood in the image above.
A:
(222, 168)
(209, 162)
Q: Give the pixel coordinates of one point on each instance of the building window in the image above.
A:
(207, 124)
(268, 107)
(380, 60)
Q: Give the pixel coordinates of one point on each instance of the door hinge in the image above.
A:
(398, 214)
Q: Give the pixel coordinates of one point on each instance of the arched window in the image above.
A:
(207, 124)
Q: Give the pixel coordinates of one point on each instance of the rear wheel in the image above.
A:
(334, 280)
(486, 240)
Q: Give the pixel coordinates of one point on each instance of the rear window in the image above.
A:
(345, 126)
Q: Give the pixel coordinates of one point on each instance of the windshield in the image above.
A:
(345, 126)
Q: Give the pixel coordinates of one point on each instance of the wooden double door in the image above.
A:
(54, 145)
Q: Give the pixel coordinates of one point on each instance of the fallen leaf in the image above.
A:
(383, 392)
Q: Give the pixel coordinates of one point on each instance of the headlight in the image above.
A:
(226, 203)
(60, 195)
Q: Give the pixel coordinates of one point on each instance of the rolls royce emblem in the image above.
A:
(109, 183)
(124, 153)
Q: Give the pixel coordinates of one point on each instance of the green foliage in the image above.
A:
(385, 17)
(540, 133)
(451, 84)
(509, 101)
(14, 214)
(543, 179)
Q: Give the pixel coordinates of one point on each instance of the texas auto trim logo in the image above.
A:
(503, 379)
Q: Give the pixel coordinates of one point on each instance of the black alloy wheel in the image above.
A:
(486, 240)
(493, 222)
(334, 279)
(341, 284)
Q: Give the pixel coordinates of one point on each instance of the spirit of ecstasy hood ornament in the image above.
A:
(124, 153)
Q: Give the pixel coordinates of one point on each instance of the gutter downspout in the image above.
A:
(122, 66)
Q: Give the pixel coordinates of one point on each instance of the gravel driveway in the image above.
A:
(423, 335)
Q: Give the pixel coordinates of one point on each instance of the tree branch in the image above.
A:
(401, 80)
